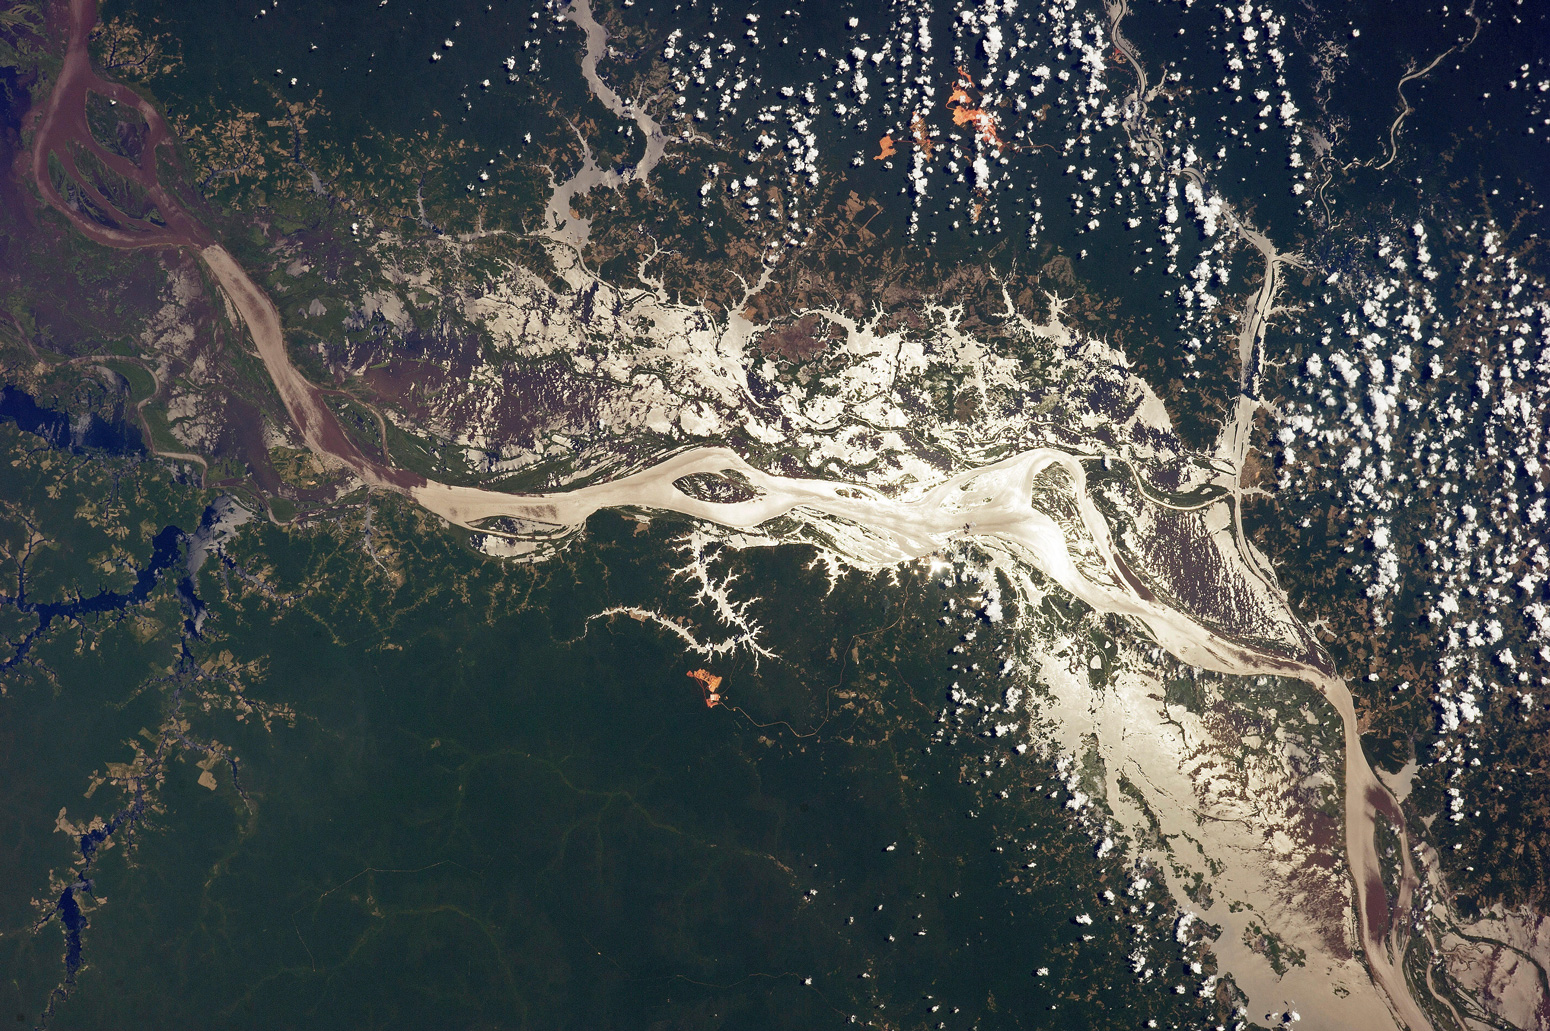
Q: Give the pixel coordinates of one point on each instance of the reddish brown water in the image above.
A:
(61, 124)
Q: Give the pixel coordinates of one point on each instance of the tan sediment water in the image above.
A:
(992, 502)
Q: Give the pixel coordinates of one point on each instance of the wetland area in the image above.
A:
(495, 537)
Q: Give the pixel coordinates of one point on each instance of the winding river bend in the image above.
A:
(994, 501)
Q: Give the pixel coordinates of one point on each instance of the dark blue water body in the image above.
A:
(88, 432)
(166, 552)
(165, 547)
(70, 915)
(67, 908)
(81, 434)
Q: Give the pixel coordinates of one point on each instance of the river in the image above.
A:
(992, 502)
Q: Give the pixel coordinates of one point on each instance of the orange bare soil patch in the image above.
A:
(922, 135)
(709, 683)
(964, 113)
(887, 151)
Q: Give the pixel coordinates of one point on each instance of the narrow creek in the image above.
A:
(893, 531)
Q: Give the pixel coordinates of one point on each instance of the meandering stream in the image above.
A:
(993, 501)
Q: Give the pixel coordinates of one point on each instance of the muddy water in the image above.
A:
(878, 531)
(565, 226)
(580, 12)
(898, 531)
